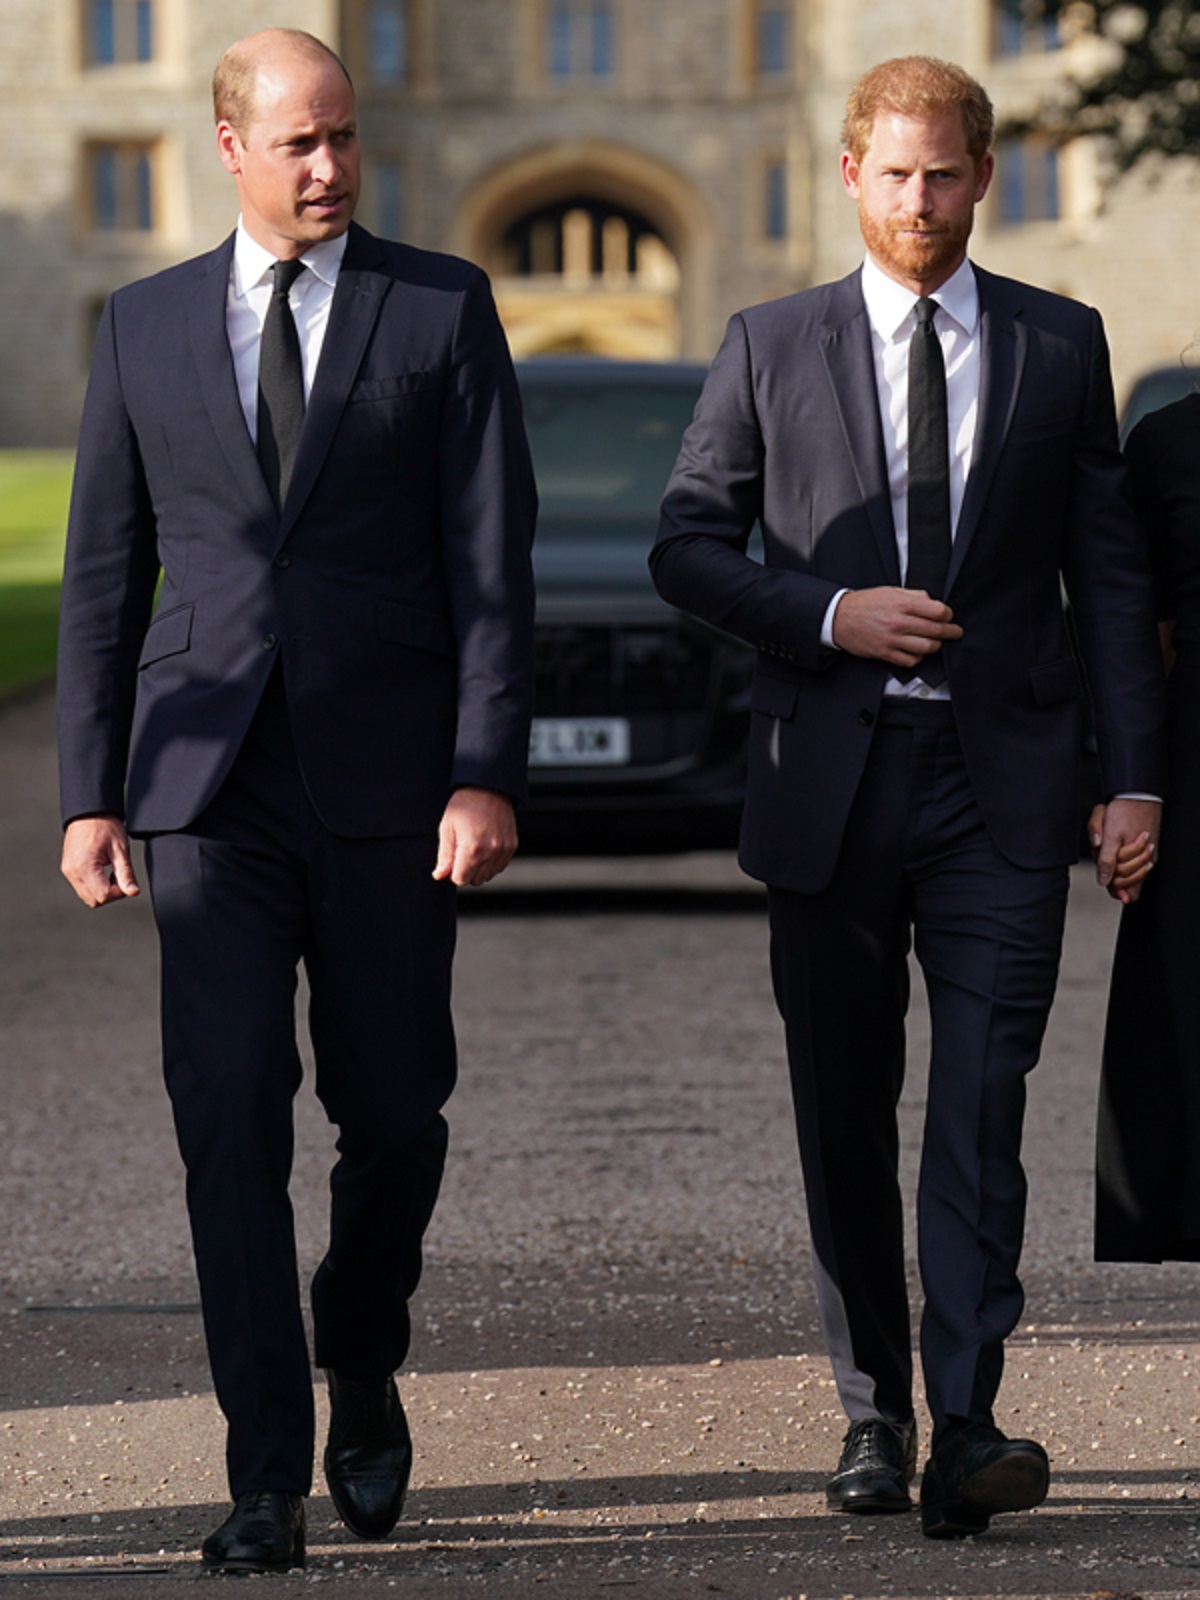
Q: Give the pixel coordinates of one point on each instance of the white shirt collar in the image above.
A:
(889, 303)
(252, 263)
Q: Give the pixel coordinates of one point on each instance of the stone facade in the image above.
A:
(625, 202)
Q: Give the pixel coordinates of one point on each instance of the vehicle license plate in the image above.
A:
(579, 742)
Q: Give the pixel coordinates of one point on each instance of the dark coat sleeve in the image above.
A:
(109, 576)
(489, 508)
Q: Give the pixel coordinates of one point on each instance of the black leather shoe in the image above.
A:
(878, 1461)
(976, 1472)
(369, 1454)
(264, 1533)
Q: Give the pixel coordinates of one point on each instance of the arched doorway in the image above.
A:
(592, 249)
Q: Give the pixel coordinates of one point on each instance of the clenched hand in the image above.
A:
(901, 626)
(477, 837)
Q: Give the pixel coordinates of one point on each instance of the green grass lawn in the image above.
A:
(34, 489)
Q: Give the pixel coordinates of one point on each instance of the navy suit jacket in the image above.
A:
(787, 433)
(395, 582)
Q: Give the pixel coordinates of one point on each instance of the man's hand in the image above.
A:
(901, 626)
(1124, 840)
(477, 837)
(96, 860)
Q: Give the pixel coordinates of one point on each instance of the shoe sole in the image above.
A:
(1015, 1483)
(252, 1566)
(882, 1501)
(248, 1564)
(869, 1506)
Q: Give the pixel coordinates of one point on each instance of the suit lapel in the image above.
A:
(357, 300)
(217, 387)
(850, 365)
(1002, 346)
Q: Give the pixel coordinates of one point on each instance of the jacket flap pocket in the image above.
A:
(773, 696)
(1056, 681)
(413, 625)
(169, 634)
(387, 388)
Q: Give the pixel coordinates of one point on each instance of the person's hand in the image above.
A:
(96, 861)
(477, 837)
(1124, 839)
(901, 626)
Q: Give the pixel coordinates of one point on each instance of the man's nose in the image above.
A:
(325, 166)
(920, 197)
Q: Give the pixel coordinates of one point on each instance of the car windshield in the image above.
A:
(603, 452)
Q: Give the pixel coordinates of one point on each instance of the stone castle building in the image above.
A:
(629, 173)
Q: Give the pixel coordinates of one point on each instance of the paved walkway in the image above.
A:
(617, 1381)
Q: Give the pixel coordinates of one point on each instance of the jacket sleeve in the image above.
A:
(1108, 582)
(489, 508)
(109, 577)
(713, 500)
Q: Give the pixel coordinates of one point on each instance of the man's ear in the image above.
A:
(850, 174)
(983, 175)
(229, 147)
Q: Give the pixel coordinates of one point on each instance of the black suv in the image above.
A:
(641, 714)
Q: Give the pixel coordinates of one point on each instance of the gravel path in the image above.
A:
(617, 1382)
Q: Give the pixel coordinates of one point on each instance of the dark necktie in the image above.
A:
(928, 474)
(280, 385)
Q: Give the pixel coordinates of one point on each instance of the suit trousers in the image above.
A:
(917, 870)
(255, 886)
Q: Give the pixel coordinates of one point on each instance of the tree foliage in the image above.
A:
(1137, 77)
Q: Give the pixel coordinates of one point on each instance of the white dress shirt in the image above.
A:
(891, 313)
(249, 295)
(890, 310)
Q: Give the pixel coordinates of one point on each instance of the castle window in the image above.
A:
(1028, 181)
(120, 186)
(580, 38)
(388, 40)
(1023, 27)
(773, 38)
(118, 32)
(775, 207)
(389, 199)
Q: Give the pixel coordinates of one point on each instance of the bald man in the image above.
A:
(313, 438)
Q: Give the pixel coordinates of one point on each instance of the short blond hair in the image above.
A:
(236, 77)
(918, 86)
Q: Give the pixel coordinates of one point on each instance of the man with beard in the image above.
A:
(931, 453)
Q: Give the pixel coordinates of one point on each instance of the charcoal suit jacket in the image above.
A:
(787, 434)
(394, 584)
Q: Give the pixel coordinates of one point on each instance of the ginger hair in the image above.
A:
(918, 86)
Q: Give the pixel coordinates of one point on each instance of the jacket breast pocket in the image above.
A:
(398, 386)
(1027, 430)
(1056, 682)
(169, 634)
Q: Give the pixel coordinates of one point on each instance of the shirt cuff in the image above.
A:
(1157, 798)
(827, 624)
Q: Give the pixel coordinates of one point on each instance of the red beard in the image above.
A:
(929, 253)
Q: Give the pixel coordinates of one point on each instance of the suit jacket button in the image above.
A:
(283, 561)
(270, 642)
(866, 717)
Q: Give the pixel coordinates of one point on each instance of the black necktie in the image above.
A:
(928, 473)
(280, 384)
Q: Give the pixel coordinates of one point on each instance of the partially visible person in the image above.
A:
(1148, 1140)
(315, 436)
